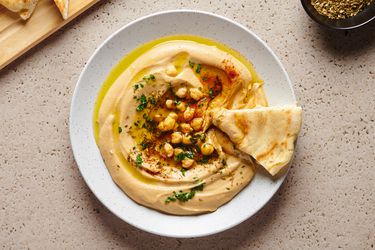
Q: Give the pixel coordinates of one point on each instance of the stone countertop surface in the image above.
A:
(327, 200)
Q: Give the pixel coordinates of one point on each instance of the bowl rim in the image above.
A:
(307, 3)
(74, 97)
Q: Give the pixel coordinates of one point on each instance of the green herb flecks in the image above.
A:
(184, 196)
(191, 64)
(149, 124)
(211, 92)
(169, 199)
(119, 130)
(205, 159)
(183, 155)
(147, 118)
(183, 171)
(198, 69)
(193, 140)
(143, 103)
(138, 160)
(137, 86)
(176, 100)
(149, 78)
(144, 144)
(198, 188)
(152, 100)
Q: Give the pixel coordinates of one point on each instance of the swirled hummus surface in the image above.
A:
(154, 128)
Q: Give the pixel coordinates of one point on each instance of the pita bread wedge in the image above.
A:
(63, 6)
(23, 7)
(265, 133)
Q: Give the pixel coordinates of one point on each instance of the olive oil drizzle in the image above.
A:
(126, 61)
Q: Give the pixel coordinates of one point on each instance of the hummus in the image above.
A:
(155, 130)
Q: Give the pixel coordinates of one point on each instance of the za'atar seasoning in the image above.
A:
(339, 9)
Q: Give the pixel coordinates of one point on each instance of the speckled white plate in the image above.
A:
(277, 86)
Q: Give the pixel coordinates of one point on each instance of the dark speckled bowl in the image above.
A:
(363, 17)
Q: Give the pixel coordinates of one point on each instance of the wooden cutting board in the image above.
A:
(18, 36)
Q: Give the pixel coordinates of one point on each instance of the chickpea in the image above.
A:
(187, 163)
(173, 115)
(170, 104)
(169, 123)
(196, 123)
(167, 150)
(161, 126)
(186, 128)
(176, 137)
(171, 70)
(196, 94)
(186, 139)
(189, 114)
(175, 128)
(181, 92)
(207, 148)
(181, 106)
(178, 151)
(158, 118)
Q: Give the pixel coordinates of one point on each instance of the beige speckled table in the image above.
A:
(327, 200)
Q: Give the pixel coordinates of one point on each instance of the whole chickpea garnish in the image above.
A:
(207, 148)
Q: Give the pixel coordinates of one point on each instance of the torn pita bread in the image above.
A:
(63, 6)
(265, 133)
(23, 7)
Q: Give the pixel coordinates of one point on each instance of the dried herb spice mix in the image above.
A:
(339, 9)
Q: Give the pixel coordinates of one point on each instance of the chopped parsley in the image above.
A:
(138, 160)
(193, 140)
(119, 130)
(137, 86)
(169, 199)
(143, 103)
(211, 92)
(152, 100)
(149, 78)
(176, 101)
(198, 69)
(205, 159)
(191, 64)
(147, 118)
(189, 154)
(149, 124)
(183, 171)
(184, 196)
(183, 155)
(198, 188)
(144, 144)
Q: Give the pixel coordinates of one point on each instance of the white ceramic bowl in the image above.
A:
(277, 86)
